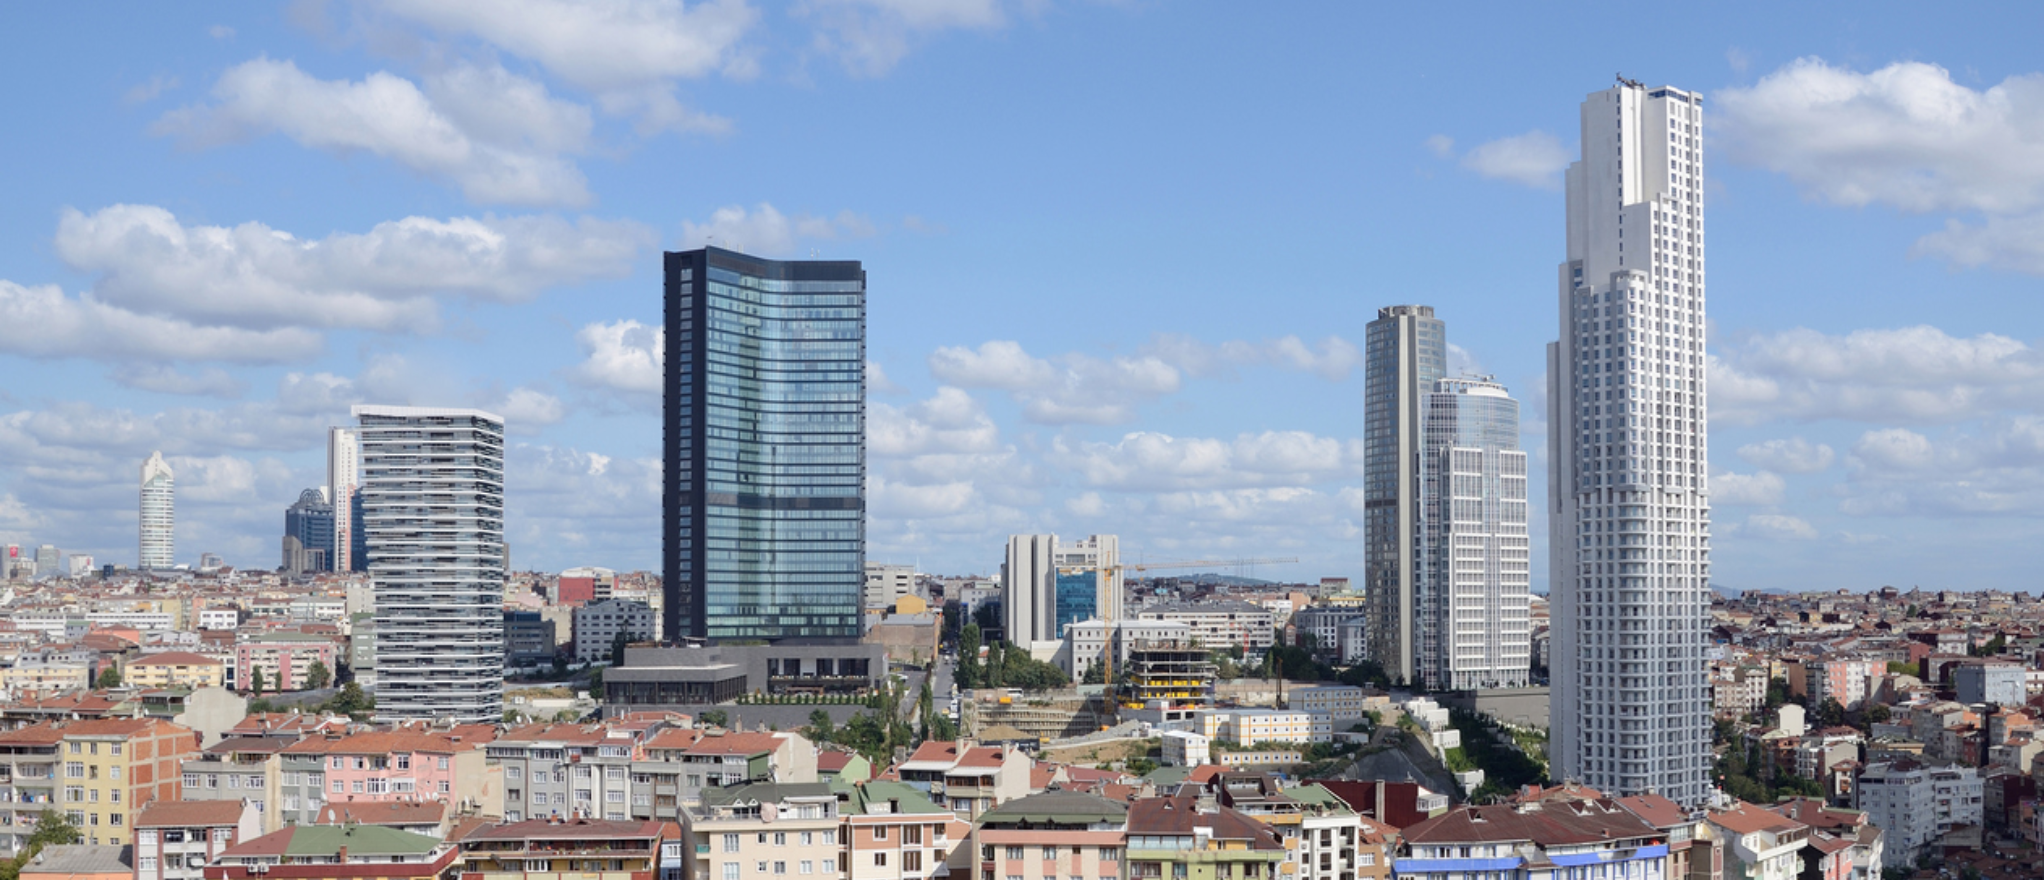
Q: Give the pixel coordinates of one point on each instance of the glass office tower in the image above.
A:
(764, 496)
(1405, 353)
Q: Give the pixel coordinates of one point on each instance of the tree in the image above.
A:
(317, 675)
(351, 701)
(1777, 693)
(713, 718)
(1141, 766)
(255, 681)
(995, 665)
(821, 728)
(968, 657)
(53, 828)
(617, 649)
(1830, 713)
(1877, 713)
(1095, 674)
(109, 677)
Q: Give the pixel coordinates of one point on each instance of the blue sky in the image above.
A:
(1120, 257)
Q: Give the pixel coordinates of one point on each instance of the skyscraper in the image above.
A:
(48, 561)
(159, 514)
(1628, 490)
(433, 515)
(1029, 588)
(765, 484)
(1405, 353)
(1473, 628)
(1048, 584)
(343, 481)
(309, 533)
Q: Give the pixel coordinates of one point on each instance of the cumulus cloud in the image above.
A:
(1534, 159)
(1762, 489)
(870, 36)
(621, 355)
(163, 379)
(600, 46)
(1149, 461)
(257, 276)
(1994, 469)
(950, 422)
(1072, 388)
(1333, 358)
(497, 136)
(568, 506)
(1793, 455)
(765, 230)
(525, 410)
(1778, 527)
(1912, 374)
(143, 93)
(43, 322)
(1905, 135)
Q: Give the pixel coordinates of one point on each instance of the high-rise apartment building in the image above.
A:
(764, 495)
(159, 514)
(433, 514)
(48, 561)
(1629, 498)
(1405, 353)
(343, 482)
(1473, 628)
(1029, 589)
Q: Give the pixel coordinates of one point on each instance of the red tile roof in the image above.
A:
(1548, 823)
(173, 814)
(736, 744)
(383, 813)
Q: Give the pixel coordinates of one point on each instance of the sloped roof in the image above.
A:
(1178, 816)
(170, 814)
(383, 813)
(900, 798)
(1547, 822)
(174, 658)
(1055, 805)
(327, 840)
(571, 829)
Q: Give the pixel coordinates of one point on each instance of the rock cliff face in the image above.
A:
(1396, 756)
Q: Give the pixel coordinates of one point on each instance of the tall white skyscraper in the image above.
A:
(1628, 494)
(159, 514)
(1029, 588)
(1048, 584)
(343, 478)
(433, 516)
(1405, 351)
(1473, 627)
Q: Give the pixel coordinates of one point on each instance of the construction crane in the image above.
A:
(1110, 580)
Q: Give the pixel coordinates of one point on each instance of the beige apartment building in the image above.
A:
(767, 831)
(175, 669)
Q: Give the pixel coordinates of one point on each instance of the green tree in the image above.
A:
(1876, 714)
(821, 728)
(1095, 674)
(968, 657)
(995, 665)
(713, 718)
(1141, 766)
(1830, 713)
(1777, 693)
(53, 828)
(317, 675)
(109, 677)
(351, 701)
(617, 649)
(255, 681)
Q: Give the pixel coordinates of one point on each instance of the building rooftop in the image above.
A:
(175, 814)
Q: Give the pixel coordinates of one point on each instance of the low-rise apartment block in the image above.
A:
(1049, 836)
(176, 840)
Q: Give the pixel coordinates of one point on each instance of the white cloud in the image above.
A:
(1895, 448)
(1148, 461)
(1908, 374)
(950, 422)
(41, 322)
(767, 231)
(1074, 388)
(877, 381)
(143, 93)
(870, 36)
(2015, 243)
(1996, 469)
(1441, 145)
(1534, 159)
(1086, 504)
(622, 355)
(210, 382)
(1905, 135)
(1333, 358)
(253, 275)
(1793, 455)
(600, 46)
(506, 158)
(1761, 489)
(893, 499)
(1779, 527)
(527, 409)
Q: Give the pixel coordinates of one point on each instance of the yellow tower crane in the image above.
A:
(1110, 586)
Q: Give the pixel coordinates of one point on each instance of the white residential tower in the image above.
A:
(158, 544)
(433, 516)
(1629, 500)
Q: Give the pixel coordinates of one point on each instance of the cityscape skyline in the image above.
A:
(1851, 440)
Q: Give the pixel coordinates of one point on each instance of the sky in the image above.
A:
(1120, 257)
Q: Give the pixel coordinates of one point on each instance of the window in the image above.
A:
(1014, 853)
(340, 786)
(760, 867)
(191, 780)
(780, 867)
(879, 832)
(514, 773)
(806, 866)
(912, 860)
(1366, 859)
(73, 794)
(401, 762)
(614, 774)
(808, 838)
(641, 799)
(1049, 852)
(730, 843)
(146, 837)
(912, 835)
(74, 770)
(444, 786)
(443, 762)
(74, 748)
(617, 796)
(146, 863)
(355, 785)
(730, 871)
(880, 859)
(116, 747)
(829, 838)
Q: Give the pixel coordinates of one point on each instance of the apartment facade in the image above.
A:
(433, 520)
(590, 849)
(175, 669)
(763, 830)
(1917, 803)
(176, 840)
(1190, 838)
(1049, 836)
(894, 832)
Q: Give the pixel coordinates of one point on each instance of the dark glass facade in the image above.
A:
(1078, 598)
(765, 446)
(311, 521)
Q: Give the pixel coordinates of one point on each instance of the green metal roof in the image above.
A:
(1317, 795)
(907, 799)
(1056, 805)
